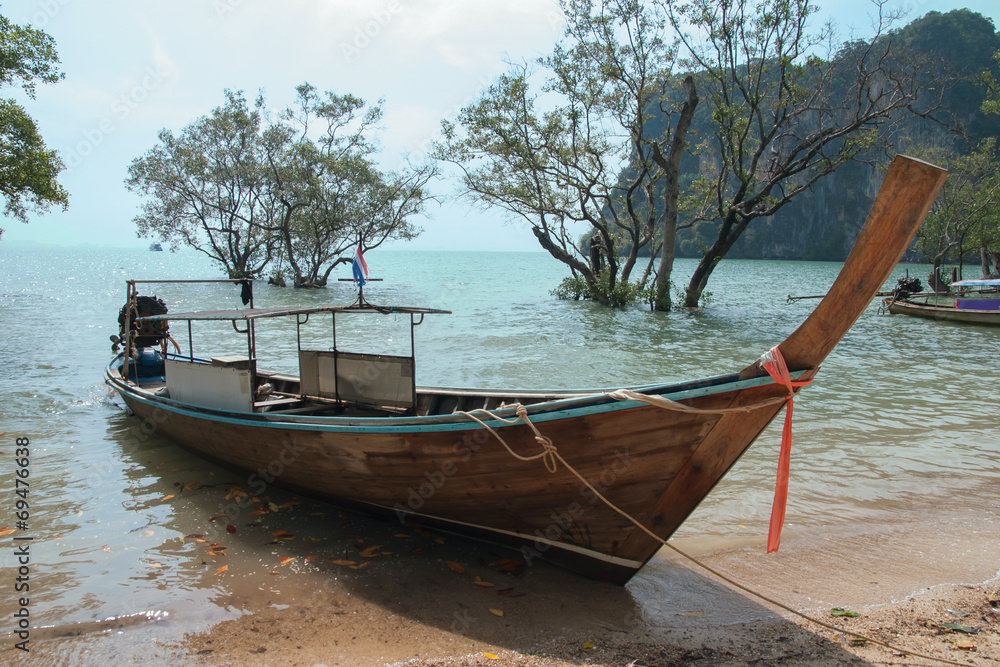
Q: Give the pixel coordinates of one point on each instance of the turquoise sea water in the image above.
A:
(903, 409)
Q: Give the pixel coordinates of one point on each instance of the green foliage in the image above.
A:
(551, 155)
(301, 190)
(208, 187)
(991, 101)
(623, 293)
(966, 214)
(28, 169)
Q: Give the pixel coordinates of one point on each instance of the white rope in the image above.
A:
(550, 455)
(667, 404)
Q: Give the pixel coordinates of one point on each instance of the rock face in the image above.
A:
(823, 223)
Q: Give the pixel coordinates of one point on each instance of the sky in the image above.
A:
(133, 68)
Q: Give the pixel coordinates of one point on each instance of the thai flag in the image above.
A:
(360, 268)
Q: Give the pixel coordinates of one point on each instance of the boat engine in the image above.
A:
(144, 334)
(906, 286)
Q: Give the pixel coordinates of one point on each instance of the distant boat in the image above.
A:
(156, 247)
(979, 306)
(591, 480)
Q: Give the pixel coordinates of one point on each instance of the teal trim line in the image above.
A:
(413, 425)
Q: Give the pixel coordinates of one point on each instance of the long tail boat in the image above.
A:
(592, 481)
(964, 303)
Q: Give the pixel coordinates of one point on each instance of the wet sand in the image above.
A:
(430, 599)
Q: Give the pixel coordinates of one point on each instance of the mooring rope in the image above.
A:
(667, 404)
(550, 456)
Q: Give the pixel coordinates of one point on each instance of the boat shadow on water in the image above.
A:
(283, 573)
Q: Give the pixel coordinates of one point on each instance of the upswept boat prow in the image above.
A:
(355, 429)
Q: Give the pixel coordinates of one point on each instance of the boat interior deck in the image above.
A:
(278, 393)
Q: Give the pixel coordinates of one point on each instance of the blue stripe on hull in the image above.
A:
(414, 425)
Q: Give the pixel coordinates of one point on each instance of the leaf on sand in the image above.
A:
(513, 566)
(310, 558)
(480, 582)
(106, 548)
(282, 533)
(342, 562)
(168, 496)
(361, 566)
(222, 569)
(456, 567)
(959, 628)
(509, 593)
(490, 656)
(964, 643)
(370, 552)
(194, 536)
(230, 528)
(273, 507)
(155, 566)
(402, 535)
(216, 553)
(588, 645)
(285, 560)
(840, 612)
(496, 612)
(6, 531)
(858, 641)
(191, 486)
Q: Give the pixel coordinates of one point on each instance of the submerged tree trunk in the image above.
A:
(990, 263)
(671, 167)
(730, 232)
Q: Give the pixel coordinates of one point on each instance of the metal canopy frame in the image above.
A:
(251, 315)
(131, 293)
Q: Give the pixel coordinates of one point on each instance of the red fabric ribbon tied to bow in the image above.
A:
(774, 363)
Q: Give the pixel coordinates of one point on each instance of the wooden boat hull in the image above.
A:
(946, 313)
(654, 464)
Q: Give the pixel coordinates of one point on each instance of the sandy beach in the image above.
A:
(891, 575)
(925, 582)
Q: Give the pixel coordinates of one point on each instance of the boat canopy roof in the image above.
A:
(987, 282)
(282, 311)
